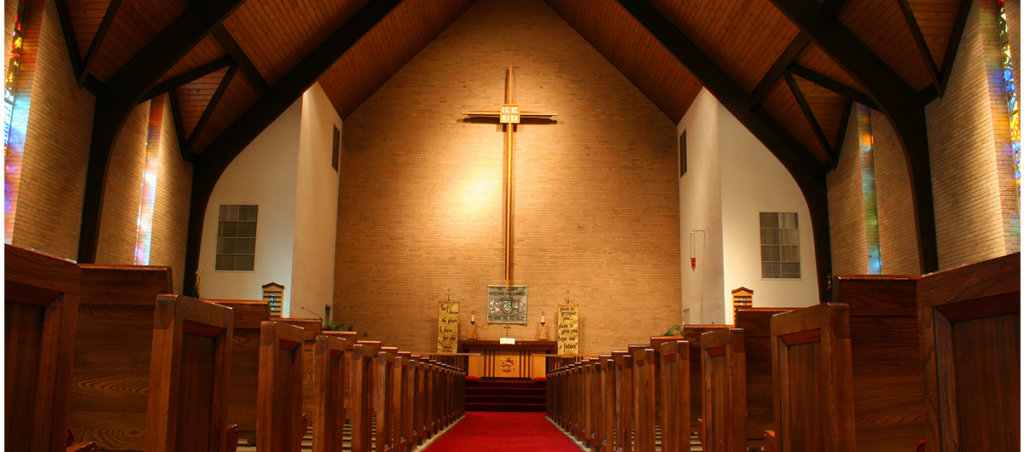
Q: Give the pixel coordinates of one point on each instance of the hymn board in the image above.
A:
(508, 305)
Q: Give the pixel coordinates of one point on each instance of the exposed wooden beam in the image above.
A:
(212, 160)
(211, 106)
(179, 127)
(798, 160)
(809, 115)
(67, 26)
(186, 77)
(797, 45)
(922, 45)
(953, 44)
(123, 91)
(241, 59)
(97, 40)
(832, 85)
(844, 127)
(831, 7)
(893, 96)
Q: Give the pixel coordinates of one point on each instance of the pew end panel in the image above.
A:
(691, 334)
(279, 394)
(756, 325)
(970, 350)
(189, 375)
(41, 301)
(675, 383)
(811, 378)
(724, 400)
(329, 377)
(245, 357)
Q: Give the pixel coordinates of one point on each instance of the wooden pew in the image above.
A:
(350, 338)
(675, 395)
(724, 401)
(643, 396)
(691, 334)
(279, 394)
(41, 296)
(598, 401)
(756, 325)
(420, 407)
(403, 401)
(384, 381)
(970, 347)
(188, 377)
(113, 343)
(888, 383)
(245, 357)
(811, 379)
(330, 374)
(311, 329)
(623, 400)
(363, 355)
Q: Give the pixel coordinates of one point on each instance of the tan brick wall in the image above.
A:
(173, 192)
(897, 227)
(123, 192)
(848, 233)
(596, 201)
(49, 211)
(966, 134)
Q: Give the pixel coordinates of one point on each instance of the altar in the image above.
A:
(491, 359)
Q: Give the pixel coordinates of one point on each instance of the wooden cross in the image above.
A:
(507, 328)
(509, 115)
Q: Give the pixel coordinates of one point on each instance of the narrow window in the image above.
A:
(682, 154)
(336, 149)
(236, 237)
(780, 245)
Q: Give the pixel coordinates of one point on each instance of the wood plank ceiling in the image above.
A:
(785, 73)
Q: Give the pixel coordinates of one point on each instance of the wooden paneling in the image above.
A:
(193, 97)
(238, 97)
(780, 103)
(634, 52)
(87, 16)
(827, 107)
(206, 51)
(935, 18)
(881, 26)
(385, 49)
(817, 60)
(744, 38)
(136, 23)
(277, 35)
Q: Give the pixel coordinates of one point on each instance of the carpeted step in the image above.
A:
(506, 395)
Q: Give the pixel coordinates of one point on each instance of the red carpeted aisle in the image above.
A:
(494, 431)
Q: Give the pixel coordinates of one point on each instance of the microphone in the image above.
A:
(311, 312)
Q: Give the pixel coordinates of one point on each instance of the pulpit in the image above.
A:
(491, 359)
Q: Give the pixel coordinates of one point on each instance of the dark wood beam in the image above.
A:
(809, 116)
(844, 127)
(123, 91)
(179, 127)
(241, 59)
(212, 160)
(831, 7)
(798, 160)
(953, 44)
(210, 107)
(67, 26)
(832, 85)
(186, 77)
(797, 45)
(922, 45)
(97, 40)
(893, 96)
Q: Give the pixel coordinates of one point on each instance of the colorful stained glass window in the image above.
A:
(12, 154)
(1010, 87)
(866, 144)
(150, 171)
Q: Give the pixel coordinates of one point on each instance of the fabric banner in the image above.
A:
(447, 327)
(506, 305)
(569, 329)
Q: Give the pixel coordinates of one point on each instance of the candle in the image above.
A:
(542, 317)
(472, 317)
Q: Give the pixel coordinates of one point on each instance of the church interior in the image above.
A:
(512, 225)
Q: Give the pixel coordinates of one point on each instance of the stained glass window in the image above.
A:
(1010, 87)
(866, 142)
(12, 154)
(150, 171)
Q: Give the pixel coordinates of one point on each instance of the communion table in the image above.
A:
(490, 359)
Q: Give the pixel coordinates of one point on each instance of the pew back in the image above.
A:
(756, 325)
(724, 400)
(691, 334)
(675, 395)
(970, 344)
(245, 357)
(330, 373)
(279, 393)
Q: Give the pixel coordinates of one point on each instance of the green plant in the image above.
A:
(674, 330)
(331, 326)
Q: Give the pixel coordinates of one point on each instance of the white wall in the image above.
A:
(264, 173)
(731, 177)
(754, 181)
(700, 209)
(316, 204)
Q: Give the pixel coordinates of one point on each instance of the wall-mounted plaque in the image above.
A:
(506, 305)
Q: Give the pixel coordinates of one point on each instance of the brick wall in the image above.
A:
(421, 203)
(56, 145)
(897, 226)
(848, 234)
(975, 207)
(123, 193)
(173, 192)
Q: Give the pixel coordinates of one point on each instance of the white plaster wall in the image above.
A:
(264, 173)
(700, 209)
(754, 181)
(316, 205)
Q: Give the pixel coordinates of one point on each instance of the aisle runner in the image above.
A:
(493, 431)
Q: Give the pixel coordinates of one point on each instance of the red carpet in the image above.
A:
(503, 431)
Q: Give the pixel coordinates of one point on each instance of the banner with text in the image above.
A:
(506, 305)
(568, 329)
(447, 327)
